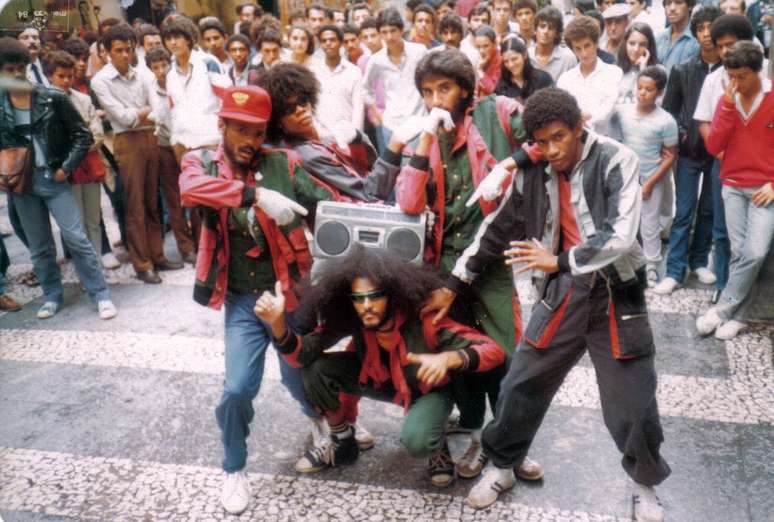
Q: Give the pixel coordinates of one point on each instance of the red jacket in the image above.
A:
(748, 147)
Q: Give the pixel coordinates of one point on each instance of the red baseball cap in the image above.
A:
(249, 104)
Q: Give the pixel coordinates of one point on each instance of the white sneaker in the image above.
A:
(48, 310)
(236, 492)
(666, 286)
(365, 440)
(705, 275)
(473, 461)
(729, 330)
(110, 261)
(707, 323)
(647, 506)
(530, 470)
(107, 310)
(493, 482)
(652, 275)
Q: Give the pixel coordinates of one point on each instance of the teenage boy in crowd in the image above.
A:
(159, 62)
(524, 12)
(693, 183)
(450, 31)
(460, 141)
(676, 44)
(589, 269)
(501, 19)
(593, 82)
(477, 17)
(549, 54)
(214, 41)
(725, 31)
(397, 354)
(58, 140)
(423, 28)
(269, 47)
(126, 100)
(340, 102)
(352, 45)
(743, 129)
(250, 222)
(393, 66)
(241, 72)
(651, 132)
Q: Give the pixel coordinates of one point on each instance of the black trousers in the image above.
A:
(627, 387)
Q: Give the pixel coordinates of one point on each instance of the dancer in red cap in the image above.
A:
(252, 240)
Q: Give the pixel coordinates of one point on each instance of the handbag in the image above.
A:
(15, 169)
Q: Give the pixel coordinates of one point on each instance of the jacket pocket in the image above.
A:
(630, 332)
(547, 315)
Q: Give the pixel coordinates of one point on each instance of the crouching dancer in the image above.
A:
(396, 354)
(592, 297)
(251, 239)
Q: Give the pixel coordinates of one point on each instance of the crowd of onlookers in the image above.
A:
(685, 85)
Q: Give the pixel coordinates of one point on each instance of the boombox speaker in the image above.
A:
(340, 226)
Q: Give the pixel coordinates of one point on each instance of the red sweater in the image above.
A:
(748, 161)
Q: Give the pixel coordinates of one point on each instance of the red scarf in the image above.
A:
(392, 341)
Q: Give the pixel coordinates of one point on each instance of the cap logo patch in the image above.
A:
(240, 98)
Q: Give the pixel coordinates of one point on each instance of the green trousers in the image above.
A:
(423, 429)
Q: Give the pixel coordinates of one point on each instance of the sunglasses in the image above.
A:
(373, 296)
(301, 101)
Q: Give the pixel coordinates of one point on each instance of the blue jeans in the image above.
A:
(719, 232)
(686, 252)
(751, 229)
(246, 340)
(33, 207)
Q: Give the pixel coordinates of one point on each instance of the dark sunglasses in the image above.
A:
(301, 101)
(373, 296)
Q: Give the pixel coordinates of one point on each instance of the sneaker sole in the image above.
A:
(442, 484)
(529, 478)
(484, 506)
(366, 445)
(468, 475)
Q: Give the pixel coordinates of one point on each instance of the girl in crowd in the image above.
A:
(518, 78)
(301, 44)
(637, 51)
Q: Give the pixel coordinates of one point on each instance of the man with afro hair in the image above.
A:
(591, 280)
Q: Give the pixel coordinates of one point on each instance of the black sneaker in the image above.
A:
(440, 467)
(329, 454)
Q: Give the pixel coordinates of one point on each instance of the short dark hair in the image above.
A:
(547, 106)
(744, 54)
(424, 8)
(146, 30)
(179, 27)
(553, 17)
(451, 22)
(319, 7)
(270, 35)
(57, 59)
(736, 25)
(581, 27)
(350, 29)
(359, 7)
(449, 63)
(331, 27)
(258, 10)
(584, 5)
(286, 82)
(689, 3)
(121, 33)
(309, 37)
(389, 17)
(486, 31)
(106, 24)
(706, 13)
(238, 38)
(480, 9)
(657, 74)
(523, 4)
(413, 4)
(13, 51)
(76, 47)
(368, 23)
(157, 55)
(210, 22)
(596, 15)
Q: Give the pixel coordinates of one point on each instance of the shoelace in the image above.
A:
(474, 455)
(441, 461)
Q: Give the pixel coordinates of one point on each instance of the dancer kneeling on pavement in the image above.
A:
(396, 354)
(592, 297)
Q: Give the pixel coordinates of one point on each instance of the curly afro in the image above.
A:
(547, 106)
(287, 83)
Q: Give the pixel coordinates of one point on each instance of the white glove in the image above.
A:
(435, 119)
(344, 133)
(409, 129)
(491, 186)
(278, 207)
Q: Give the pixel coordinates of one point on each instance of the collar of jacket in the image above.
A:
(41, 101)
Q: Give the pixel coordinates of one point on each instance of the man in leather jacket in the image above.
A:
(580, 214)
(45, 121)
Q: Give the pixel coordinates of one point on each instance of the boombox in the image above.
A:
(340, 226)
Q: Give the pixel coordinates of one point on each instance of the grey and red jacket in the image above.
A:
(411, 335)
(207, 181)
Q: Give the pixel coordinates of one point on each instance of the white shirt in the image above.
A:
(341, 94)
(161, 113)
(121, 97)
(195, 101)
(712, 90)
(596, 93)
(33, 78)
(402, 98)
(468, 48)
